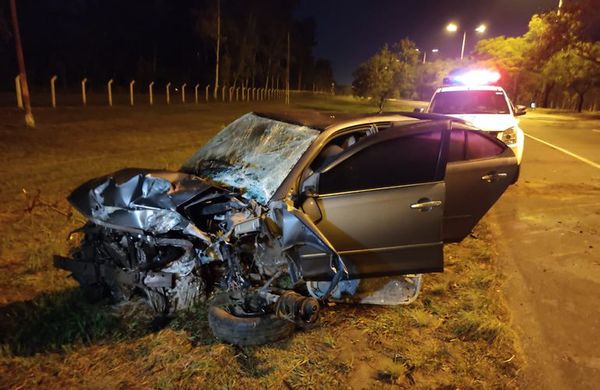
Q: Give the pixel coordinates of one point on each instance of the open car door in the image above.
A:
(379, 203)
(480, 168)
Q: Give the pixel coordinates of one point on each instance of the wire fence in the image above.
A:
(148, 94)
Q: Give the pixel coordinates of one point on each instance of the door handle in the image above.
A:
(490, 177)
(425, 204)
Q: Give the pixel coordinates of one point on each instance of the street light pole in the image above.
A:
(453, 27)
(462, 50)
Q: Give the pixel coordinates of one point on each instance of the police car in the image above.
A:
(473, 97)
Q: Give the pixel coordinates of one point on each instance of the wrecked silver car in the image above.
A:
(279, 213)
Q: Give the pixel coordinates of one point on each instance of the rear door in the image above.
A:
(381, 203)
(480, 168)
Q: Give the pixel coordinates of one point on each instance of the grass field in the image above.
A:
(455, 335)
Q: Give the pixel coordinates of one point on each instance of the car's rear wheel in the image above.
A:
(247, 330)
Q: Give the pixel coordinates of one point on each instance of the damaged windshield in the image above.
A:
(253, 153)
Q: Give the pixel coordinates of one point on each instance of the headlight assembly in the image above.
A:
(509, 136)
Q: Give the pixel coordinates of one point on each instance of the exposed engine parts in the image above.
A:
(234, 243)
(296, 308)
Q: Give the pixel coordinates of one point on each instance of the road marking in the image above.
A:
(583, 159)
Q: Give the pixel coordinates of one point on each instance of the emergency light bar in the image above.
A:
(474, 77)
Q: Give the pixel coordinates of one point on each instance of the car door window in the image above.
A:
(471, 145)
(405, 160)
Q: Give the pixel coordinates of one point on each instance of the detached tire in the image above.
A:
(263, 329)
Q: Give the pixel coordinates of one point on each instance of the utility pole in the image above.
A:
(218, 49)
(287, 81)
(29, 121)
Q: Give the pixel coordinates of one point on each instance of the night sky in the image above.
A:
(350, 31)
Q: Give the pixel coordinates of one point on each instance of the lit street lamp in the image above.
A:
(453, 27)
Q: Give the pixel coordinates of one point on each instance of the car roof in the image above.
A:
(470, 88)
(321, 121)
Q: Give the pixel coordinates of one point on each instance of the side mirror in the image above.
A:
(420, 110)
(310, 185)
(520, 110)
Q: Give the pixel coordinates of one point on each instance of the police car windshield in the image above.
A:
(469, 102)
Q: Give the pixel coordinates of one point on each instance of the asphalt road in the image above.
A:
(548, 230)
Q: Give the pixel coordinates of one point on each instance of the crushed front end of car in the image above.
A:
(176, 238)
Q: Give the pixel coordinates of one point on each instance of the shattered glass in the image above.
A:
(253, 154)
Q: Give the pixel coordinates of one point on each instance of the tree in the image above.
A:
(509, 56)
(571, 69)
(209, 25)
(408, 57)
(173, 41)
(376, 77)
(253, 43)
(4, 28)
(388, 73)
(430, 76)
(303, 35)
(323, 76)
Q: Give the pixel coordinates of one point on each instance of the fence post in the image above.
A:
(237, 94)
(53, 90)
(131, 92)
(253, 93)
(231, 94)
(223, 93)
(196, 92)
(18, 91)
(109, 86)
(183, 92)
(83, 93)
(169, 92)
(206, 92)
(243, 94)
(150, 92)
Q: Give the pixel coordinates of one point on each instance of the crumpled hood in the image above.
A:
(139, 199)
(489, 122)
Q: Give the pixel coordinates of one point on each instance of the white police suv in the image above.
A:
(473, 97)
